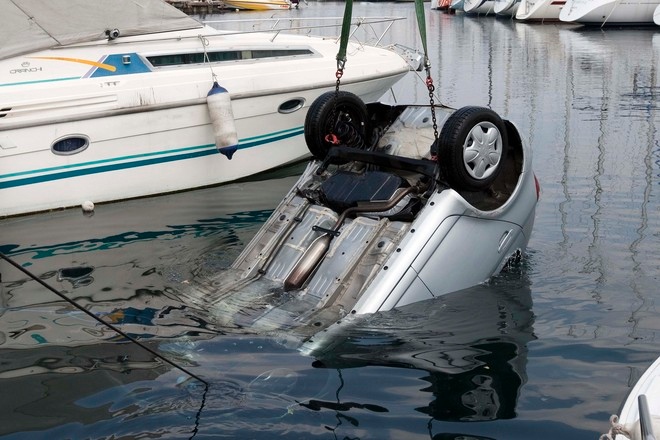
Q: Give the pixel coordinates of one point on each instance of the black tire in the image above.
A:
(472, 148)
(349, 108)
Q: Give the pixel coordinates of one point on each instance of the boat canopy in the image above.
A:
(28, 25)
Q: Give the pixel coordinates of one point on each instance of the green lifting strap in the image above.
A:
(421, 24)
(346, 28)
(345, 31)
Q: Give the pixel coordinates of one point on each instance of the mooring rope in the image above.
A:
(616, 428)
(205, 43)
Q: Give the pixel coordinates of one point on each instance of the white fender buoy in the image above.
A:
(87, 206)
(222, 118)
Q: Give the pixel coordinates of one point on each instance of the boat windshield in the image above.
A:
(27, 26)
(219, 56)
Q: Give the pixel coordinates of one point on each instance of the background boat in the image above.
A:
(609, 12)
(640, 412)
(506, 7)
(457, 5)
(480, 7)
(539, 10)
(258, 5)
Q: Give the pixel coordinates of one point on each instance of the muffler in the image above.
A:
(317, 250)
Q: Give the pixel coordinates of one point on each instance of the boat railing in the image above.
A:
(373, 29)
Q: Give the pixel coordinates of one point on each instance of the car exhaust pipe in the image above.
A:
(316, 251)
(313, 254)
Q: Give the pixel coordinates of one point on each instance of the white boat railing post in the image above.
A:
(385, 31)
(645, 421)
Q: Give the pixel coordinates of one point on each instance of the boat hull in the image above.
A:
(647, 385)
(506, 7)
(153, 152)
(481, 7)
(609, 12)
(539, 10)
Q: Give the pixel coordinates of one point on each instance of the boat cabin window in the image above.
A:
(70, 145)
(230, 55)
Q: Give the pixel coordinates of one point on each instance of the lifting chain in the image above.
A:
(332, 137)
(431, 88)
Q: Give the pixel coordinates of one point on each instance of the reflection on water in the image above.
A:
(89, 391)
(201, 228)
(474, 357)
(468, 366)
(120, 263)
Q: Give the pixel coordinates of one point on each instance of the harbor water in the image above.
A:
(548, 350)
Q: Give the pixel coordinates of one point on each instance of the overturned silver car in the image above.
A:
(387, 213)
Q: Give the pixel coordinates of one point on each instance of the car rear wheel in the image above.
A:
(472, 148)
(349, 124)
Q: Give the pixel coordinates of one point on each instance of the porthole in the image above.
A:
(291, 105)
(4, 111)
(70, 145)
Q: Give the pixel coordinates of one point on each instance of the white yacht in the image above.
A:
(104, 101)
(609, 12)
